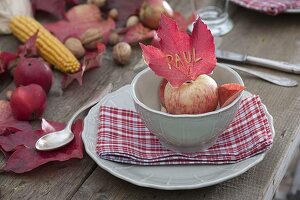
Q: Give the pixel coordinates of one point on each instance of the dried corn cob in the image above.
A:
(49, 47)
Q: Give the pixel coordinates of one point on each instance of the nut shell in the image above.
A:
(132, 20)
(121, 53)
(91, 37)
(75, 46)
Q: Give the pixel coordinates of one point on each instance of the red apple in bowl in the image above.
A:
(162, 87)
(195, 97)
(28, 102)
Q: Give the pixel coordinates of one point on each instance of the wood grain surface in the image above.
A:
(254, 33)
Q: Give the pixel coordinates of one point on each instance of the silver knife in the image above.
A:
(272, 64)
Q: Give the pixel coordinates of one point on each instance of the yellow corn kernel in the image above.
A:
(48, 46)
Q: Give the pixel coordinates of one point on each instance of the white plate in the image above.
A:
(169, 177)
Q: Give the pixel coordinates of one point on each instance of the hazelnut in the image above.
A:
(75, 46)
(91, 37)
(113, 13)
(98, 3)
(114, 38)
(132, 20)
(121, 53)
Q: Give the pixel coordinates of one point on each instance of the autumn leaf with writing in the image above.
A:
(178, 56)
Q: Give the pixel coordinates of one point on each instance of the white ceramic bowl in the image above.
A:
(183, 133)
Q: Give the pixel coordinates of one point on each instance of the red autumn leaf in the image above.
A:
(182, 22)
(125, 9)
(8, 123)
(91, 60)
(84, 13)
(228, 93)
(25, 157)
(155, 41)
(54, 7)
(181, 57)
(64, 29)
(5, 59)
(138, 33)
(28, 49)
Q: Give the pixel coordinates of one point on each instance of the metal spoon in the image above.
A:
(58, 139)
(278, 80)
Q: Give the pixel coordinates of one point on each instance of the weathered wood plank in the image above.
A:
(7, 43)
(61, 180)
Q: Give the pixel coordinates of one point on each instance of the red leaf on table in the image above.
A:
(64, 29)
(25, 157)
(54, 7)
(8, 123)
(138, 33)
(228, 93)
(5, 59)
(28, 49)
(75, 2)
(84, 13)
(125, 9)
(27, 138)
(91, 60)
(181, 57)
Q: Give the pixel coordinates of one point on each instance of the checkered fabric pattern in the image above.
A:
(272, 7)
(123, 137)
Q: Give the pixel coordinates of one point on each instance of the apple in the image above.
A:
(28, 102)
(33, 70)
(195, 97)
(162, 87)
(228, 93)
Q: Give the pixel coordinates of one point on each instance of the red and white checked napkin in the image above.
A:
(123, 137)
(272, 7)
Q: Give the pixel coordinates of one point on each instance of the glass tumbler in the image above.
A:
(214, 13)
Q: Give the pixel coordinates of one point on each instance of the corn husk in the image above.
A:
(11, 8)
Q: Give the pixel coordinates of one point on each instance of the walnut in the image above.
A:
(75, 46)
(91, 37)
(121, 53)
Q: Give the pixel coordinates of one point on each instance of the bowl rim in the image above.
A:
(136, 100)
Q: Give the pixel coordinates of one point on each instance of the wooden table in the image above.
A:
(254, 33)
